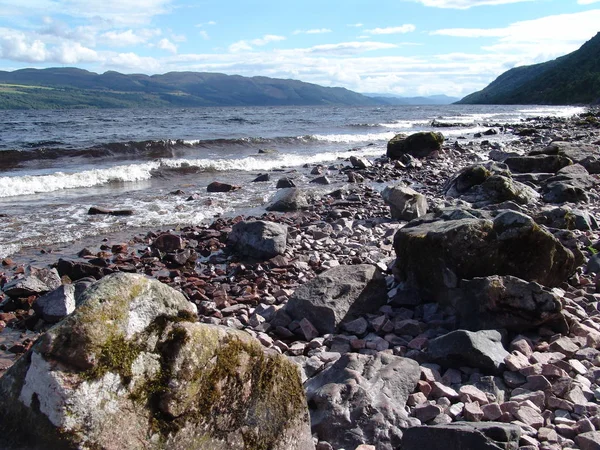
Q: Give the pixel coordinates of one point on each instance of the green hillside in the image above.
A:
(77, 88)
(570, 79)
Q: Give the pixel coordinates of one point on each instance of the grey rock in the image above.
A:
(362, 398)
(337, 295)
(567, 218)
(462, 435)
(57, 304)
(584, 154)
(258, 239)
(360, 163)
(504, 302)
(419, 145)
(285, 182)
(479, 349)
(589, 440)
(537, 163)
(405, 203)
(434, 252)
(133, 354)
(290, 199)
(35, 281)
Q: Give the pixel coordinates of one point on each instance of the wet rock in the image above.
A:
(480, 349)
(217, 186)
(168, 242)
(56, 305)
(420, 145)
(405, 203)
(462, 435)
(321, 180)
(262, 177)
(285, 182)
(337, 295)
(76, 270)
(290, 199)
(94, 210)
(361, 398)
(360, 163)
(133, 354)
(496, 302)
(436, 251)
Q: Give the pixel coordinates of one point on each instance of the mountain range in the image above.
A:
(568, 80)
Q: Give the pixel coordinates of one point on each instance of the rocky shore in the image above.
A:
(445, 295)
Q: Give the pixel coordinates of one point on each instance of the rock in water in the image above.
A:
(436, 251)
(338, 295)
(288, 199)
(217, 186)
(258, 239)
(420, 145)
(361, 398)
(405, 203)
(111, 212)
(132, 369)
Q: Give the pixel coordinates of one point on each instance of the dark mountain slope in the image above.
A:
(570, 79)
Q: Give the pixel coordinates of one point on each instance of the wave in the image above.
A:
(164, 168)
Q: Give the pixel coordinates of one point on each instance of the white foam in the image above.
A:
(353, 138)
(8, 249)
(405, 124)
(30, 184)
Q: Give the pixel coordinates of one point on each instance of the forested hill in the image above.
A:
(77, 88)
(568, 80)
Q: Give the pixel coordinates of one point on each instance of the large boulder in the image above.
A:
(132, 369)
(438, 250)
(288, 199)
(258, 239)
(568, 187)
(420, 145)
(405, 203)
(508, 302)
(489, 183)
(537, 163)
(362, 398)
(585, 154)
(340, 294)
(461, 348)
(462, 436)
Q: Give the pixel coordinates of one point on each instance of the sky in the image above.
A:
(403, 47)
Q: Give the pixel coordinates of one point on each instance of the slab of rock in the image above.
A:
(496, 302)
(567, 218)
(568, 188)
(338, 295)
(361, 398)
(35, 281)
(584, 154)
(217, 186)
(258, 239)
(589, 440)
(132, 369)
(480, 349)
(537, 163)
(405, 203)
(285, 182)
(94, 210)
(57, 304)
(420, 145)
(288, 199)
(462, 435)
(436, 251)
(360, 163)
(489, 183)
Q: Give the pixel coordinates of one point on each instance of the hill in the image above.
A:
(77, 88)
(570, 79)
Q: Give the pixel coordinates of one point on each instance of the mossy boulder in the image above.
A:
(133, 369)
(438, 250)
(419, 145)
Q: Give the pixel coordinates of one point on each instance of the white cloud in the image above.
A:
(131, 61)
(313, 31)
(204, 34)
(350, 47)
(244, 45)
(203, 24)
(587, 2)
(466, 4)
(167, 45)
(129, 37)
(355, 25)
(118, 11)
(239, 46)
(406, 28)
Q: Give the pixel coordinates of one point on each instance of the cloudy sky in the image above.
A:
(406, 47)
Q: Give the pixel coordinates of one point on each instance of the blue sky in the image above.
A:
(406, 47)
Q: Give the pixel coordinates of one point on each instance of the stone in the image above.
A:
(405, 203)
(285, 182)
(133, 354)
(480, 349)
(581, 153)
(491, 411)
(463, 435)
(35, 281)
(568, 219)
(360, 163)
(95, 210)
(258, 239)
(589, 440)
(489, 183)
(537, 163)
(426, 412)
(57, 304)
(437, 250)
(358, 326)
(337, 295)
(420, 145)
(470, 393)
(217, 186)
(508, 302)
(472, 412)
(321, 180)
(288, 199)
(361, 398)
(262, 177)
(168, 242)
(529, 416)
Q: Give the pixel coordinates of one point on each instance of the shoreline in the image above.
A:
(350, 226)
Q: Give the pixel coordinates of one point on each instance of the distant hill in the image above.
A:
(392, 99)
(77, 88)
(570, 79)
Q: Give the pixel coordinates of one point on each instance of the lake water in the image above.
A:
(54, 165)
